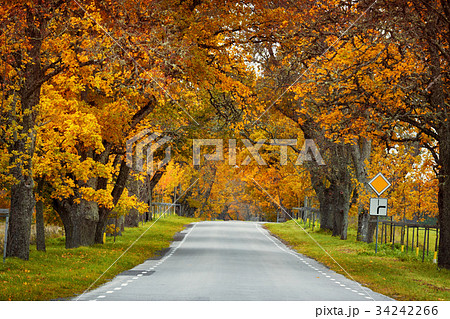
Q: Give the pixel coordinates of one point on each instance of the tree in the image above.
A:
(25, 26)
(386, 78)
(420, 31)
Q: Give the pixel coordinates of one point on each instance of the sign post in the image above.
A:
(378, 206)
(5, 213)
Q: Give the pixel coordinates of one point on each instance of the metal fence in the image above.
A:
(408, 235)
(163, 209)
(309, 215)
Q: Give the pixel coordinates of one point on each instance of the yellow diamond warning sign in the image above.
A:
(379, 184)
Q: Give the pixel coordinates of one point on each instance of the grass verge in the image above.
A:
(63, 273)
(396, 274)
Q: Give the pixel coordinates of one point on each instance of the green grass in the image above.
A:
(400, 275)
(64, 273)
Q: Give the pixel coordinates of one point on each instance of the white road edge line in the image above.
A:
(296, 256)
(314, 240)
(173, 251)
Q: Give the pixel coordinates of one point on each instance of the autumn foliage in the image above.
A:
(366, 81)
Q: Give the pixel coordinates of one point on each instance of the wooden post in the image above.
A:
(305, 211)
(417, 238)
(424, 242)
(150, 199)
(437, 236)
(402, 234)
(174, 198)
(393, 234)
(407, 236)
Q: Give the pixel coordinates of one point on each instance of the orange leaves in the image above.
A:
(413, 193)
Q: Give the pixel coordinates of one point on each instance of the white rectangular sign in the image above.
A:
(378, 206)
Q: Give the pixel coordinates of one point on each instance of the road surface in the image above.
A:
(230, 261)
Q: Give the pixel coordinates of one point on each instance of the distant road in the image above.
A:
(230, 261)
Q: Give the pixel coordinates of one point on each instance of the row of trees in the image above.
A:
(366, 81)
(78, 79)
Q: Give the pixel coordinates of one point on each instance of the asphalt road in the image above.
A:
(230, 261)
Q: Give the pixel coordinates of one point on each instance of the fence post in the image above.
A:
(393, 234)
(407, 236)
(436, 246)
(174, 199)
(305, 211)
(390, 235)
(417, 238)
(424, 240)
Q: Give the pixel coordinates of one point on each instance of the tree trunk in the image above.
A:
(444, 198)
(20, 215)
(132, 218)
(40, 227)
(372, 229)
(117, 223)
(340, 210)
(223, 212)
(207, 193)
(103, 220)
(187, 210)
(326, 203)
(366, 227)
(80, 221)
(22, 195)
(363, 226)
(334, 204)
(439, 102)
(103, 213)
(360, 153)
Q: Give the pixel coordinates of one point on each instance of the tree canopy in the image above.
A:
(366, 82)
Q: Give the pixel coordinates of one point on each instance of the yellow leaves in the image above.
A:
(126, 203)
(69, 134)
(102, 196)
(111, 229)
